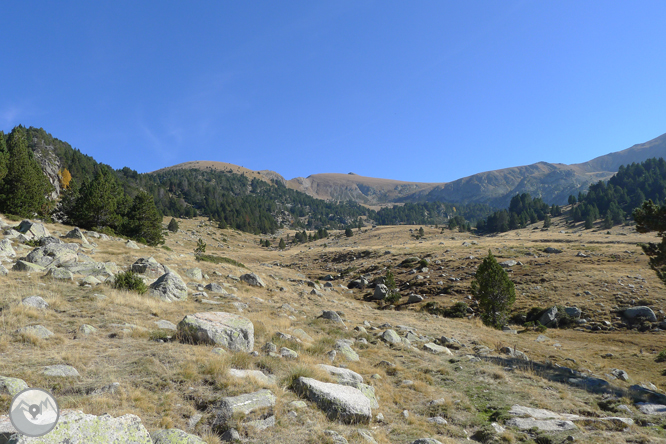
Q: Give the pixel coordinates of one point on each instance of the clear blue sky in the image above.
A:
(413, 90)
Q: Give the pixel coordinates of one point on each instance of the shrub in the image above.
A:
(457, 310)
(173, 225)
(494, 291)
(661, 357)
(200, 248)
(129, 281)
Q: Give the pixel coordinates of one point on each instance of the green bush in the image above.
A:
(457, 310)
(129, 281)
(661, 357)
(219, 260)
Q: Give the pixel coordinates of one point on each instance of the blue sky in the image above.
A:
(417, 90)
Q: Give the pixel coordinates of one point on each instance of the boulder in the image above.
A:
(169, 287)
(3, 271)
(302, 335)
(166, 325)
(194, 273)
(229, 330)
(175, 436)
(253, 280)
(49, 240)
(640, 312)
(75, 427)
(545, 425)
(215, 288)
(6, 248)
(35, 302)
(344, 376)
(76, 233)
(148, 266)
(60, 274)
(346, 351)
(381, 291)
(552, 250)
(339, 402)
(331, 316)
(32, 230)
(548, 317)
(248, 407)
(60, 370)
(647, 408)
(252, 374)
(574, 312)
(53, 255)
(38, 331)
(391, 337)
(436, 349)
(87, 330)
(13, 386)
(508, 264)
(27, 266)
(131, 244)
(620, 374)
(414, 298)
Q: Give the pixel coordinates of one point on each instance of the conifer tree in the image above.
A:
(650, 217)
(494, 291)
(349, 232)
(144, 222)
(282, 245)
(4, 157)
(98, 201)
(173, 225)
(25, 186)
(546, 222)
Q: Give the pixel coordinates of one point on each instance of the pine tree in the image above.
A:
(173, 225)
(589, 222)
(421, 232)
(282, 245)
(349, 232)
(608, 221)
(494, 291)
(144, 222)
(98, 201)
(200, 248)
(650, 217)
(546, 222)
(4, 157)
(25, 186)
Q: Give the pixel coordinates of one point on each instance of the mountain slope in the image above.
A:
(553, 182)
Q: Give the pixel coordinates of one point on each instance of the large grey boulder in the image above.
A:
(339, 402)
(436, 349)
(249, 407)
(76, 233)
(13, 386)
(60, 273)
(6, 248)
(75, 427)
(549, 316)
(253, 280)
(53, 255)
(216, 288)
(32, 230)
(381, 291)
(345, 350)
(35, 302)
(175, 436)
(38, 331)
(169, 287)
(344, 376)
(574, 312)
(131, 244)
(230, 330)
(640, 312)
(331, 316)
(391, 337)
(148, 266)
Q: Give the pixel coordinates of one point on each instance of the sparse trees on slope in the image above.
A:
(25, 186)
(98, 201)
(494, 291)
(650, 217)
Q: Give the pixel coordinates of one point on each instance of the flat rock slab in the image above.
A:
(60, 370)
(76, 427)
(251, 406)
(339, 402)
(343, 375)
(651, 409)
(255, 374)
(227, 329)
(175, 436)
(35, 302)
(436, 349)
(13, 386)
(546, 425)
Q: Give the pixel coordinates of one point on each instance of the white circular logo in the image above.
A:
(34, 412)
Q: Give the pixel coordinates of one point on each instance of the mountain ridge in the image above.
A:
(553, 182)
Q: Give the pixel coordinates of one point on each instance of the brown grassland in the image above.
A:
(165, 382)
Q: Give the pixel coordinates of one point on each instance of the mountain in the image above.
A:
(553, 182)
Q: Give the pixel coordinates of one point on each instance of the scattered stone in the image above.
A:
(131, 244)
(32, 230)
(391, 337)
(60, 370)
(166, 325)
(339, 402)
(38, 331)
(415, 298)
(509, 263)
(6, 248)
(253, 280)
(438, 420)
(27, 266)
(35, 302)
(194, 273)
(250, 406)
(227, 329)
(148, 266)
(436, 349)
(620, 374)
(175, 436)
(254, 374)
(346, 351)
(76, 233)
(331, 316)
(288, 353)
(13, 386)
(215, 288)
(87, 330)
(231, 435)
(3, 271)
(107, 389)
(552, 250)
(60, 273)
(381, 291)
(647, 408)
(514, 353)
(169, 287)
(336, 437)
